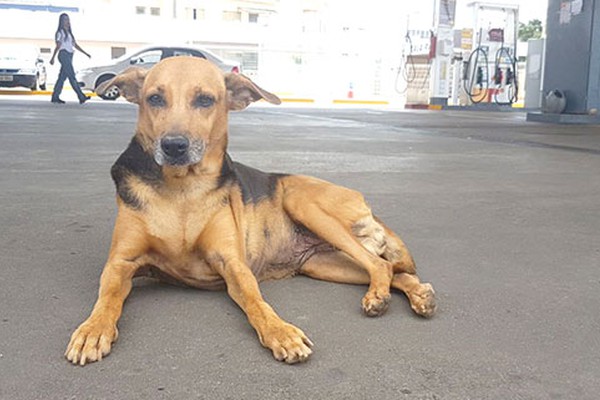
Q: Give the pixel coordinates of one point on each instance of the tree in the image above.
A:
(532, 30)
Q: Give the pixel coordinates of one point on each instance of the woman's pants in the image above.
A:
(66, 72)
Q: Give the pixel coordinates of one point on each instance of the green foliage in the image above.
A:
(532, 30)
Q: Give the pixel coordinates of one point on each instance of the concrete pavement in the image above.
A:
(502, 217)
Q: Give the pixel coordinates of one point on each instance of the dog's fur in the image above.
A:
(201, 219)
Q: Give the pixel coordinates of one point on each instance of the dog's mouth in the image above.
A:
(178, 151)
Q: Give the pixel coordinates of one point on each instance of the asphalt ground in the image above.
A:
(501, 215)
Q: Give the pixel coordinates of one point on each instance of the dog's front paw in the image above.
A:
(375, 304)
(91, 341)
(287, 343)
(422, 300)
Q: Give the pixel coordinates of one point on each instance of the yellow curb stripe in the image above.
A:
(27, 92)
(435, 107)
(36, 92)
(298, 100)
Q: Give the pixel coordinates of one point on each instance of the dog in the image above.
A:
(189, 214)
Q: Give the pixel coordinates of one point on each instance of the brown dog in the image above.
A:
(187, 213)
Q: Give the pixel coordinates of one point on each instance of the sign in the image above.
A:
(466, 39)
(565, 13)
(576, 7)
(447, 12)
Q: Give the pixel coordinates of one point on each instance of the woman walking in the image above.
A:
(65, 46)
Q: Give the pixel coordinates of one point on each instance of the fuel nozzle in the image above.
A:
(498, 76)
(480, 76)
(510, 76)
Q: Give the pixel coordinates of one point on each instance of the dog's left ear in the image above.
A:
(129, 82)
(241, 91)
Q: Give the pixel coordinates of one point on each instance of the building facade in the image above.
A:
(320, 49)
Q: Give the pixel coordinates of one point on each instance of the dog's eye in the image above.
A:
(204, 101)
(156, 100)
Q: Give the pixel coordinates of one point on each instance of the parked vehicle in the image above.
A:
(21, 66)
(90, 78)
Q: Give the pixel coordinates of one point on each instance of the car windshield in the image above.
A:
(130, 54)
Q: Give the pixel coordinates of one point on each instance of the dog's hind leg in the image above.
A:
(374, 254)
(338, 267)
(420, 295)
(331, 212)
(393, 249)
(396, 252)
(335, 266)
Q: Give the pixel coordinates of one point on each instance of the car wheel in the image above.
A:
(112, 93)
(35, 85)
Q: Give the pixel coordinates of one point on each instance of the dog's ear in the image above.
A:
(129, 82)
(241, 91)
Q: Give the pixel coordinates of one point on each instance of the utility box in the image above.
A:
(534, 73)
(572, 62)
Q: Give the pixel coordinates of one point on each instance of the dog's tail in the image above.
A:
(380, 240)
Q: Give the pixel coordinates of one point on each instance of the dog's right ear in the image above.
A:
(129, 82)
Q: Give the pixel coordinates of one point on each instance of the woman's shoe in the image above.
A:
(86, 98)
(57, 101)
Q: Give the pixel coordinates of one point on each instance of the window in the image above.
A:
(188, 53)
(253, 18)
(232, 16)
(116, 52)
(140, 10)
(147, 58)
(194, 13)
(250, 61)
(155, 11)
(182, 53)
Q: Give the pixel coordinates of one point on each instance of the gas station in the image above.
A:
(485, 161)
(462, 54)
(478, 67)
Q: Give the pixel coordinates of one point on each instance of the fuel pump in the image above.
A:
(475, 74)
(505, 77)
(490, 72)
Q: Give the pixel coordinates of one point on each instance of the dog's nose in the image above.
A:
(174, 146)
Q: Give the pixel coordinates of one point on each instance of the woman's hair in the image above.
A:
(61, 25)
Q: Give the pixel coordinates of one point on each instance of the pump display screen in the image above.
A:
(496, 35)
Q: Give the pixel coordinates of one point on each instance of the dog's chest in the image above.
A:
(176, 223)
(176, 230)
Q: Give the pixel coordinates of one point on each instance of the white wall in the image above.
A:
(346, 43)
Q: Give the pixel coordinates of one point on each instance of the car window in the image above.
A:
(184, 52)
(147, 58)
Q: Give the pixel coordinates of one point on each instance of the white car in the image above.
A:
(22, 66)
(90, 78)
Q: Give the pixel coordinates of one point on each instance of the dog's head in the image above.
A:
(183, 105)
